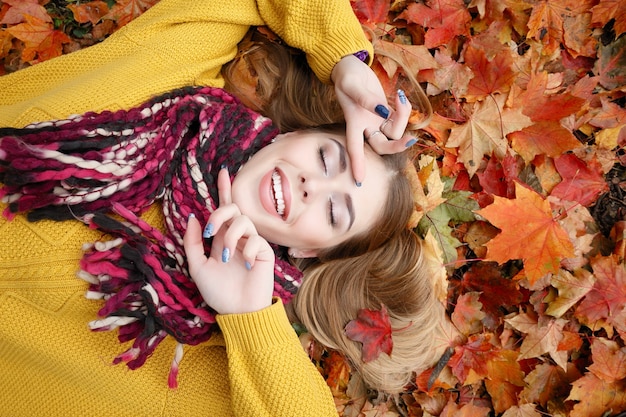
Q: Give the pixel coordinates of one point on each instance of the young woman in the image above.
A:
(69, 366)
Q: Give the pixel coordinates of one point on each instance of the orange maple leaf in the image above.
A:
(529, 232)
(126, 10)
(90, 12)
(545, 137)
(490, 75)
(607, 10)
(41, 40)
(546, 21)
(540, 106)
(596, 396)
(609, 361)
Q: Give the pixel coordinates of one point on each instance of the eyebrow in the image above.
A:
(350, 210)
(342, 155)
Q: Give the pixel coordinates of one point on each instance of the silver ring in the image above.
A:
(377, 132)
(382, 126)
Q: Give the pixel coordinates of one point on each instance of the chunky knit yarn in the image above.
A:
(106, 169)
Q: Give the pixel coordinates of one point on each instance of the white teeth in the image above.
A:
(277, 186)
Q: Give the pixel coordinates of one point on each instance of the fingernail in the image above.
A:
(223, 166)
(191, 216)
(248, 266)
(382, 111)
(225, 255)
(402, 96)
(358, 183)
(208, 231)
(411, 143)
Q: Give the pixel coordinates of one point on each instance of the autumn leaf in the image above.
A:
(611, 64)
(607, 10)
(373, 329)
(529, 232)
(505, 380)
(523, 410)
(90, 12)
(126, 10)
(609, 360)
(491, 76)
(444, 20)
(545, 137)
(546, 23)
(540, 106)
(473, 355)
(485, 131)
(21, 8)
(42, 41)
(607, 298)
(571, 289)
(458, 206)
(337, 369)
(541, 337)
(547, 382)
(595, 396)
(582, 182)
(467, 314)
(371, 11)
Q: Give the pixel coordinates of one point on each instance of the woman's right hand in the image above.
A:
(238, 276)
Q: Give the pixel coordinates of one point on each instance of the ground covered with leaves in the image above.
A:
(521, 182)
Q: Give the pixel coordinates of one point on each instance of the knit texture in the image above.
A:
(52, 365)
(174, 44)
(171, 148)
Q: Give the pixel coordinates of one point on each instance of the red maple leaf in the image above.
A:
(371, 11)
(373, 329)
(582, 181)
(444, 19)
(538, 105)
(474, 356)
(490, 75)
(607, 298)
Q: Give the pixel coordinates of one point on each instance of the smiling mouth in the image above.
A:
(277, 193)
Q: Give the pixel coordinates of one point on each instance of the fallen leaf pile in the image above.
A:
(521, 185)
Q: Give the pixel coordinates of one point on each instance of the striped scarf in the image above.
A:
(106, 169)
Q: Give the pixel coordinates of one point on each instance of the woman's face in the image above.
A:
(300, 193)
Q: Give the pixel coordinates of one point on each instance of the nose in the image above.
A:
(311, 185)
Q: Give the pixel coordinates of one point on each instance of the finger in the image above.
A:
(395, 126)
(193, 244)
(240, 228)
(224, 187)
(257, 249)
(382, 146)
(356, 152)
(223, 215)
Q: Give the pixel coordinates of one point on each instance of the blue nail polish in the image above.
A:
(382, 111)
(248, 266)
(208, 231)
(225, 255)
(358, 183)
(411, 143)
(191, 216)
(223, 166)
(402, 96)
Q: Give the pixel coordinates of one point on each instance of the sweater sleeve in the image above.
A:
(327, 30)
(270, 374)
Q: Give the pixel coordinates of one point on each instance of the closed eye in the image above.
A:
(331, 213)
(323, 160)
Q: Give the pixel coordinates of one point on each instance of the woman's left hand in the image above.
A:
(238, 276)
(367, 113)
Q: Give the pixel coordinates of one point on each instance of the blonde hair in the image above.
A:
(384, 266)
(393, 275)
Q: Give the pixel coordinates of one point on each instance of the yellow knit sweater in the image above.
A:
(51, 363)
